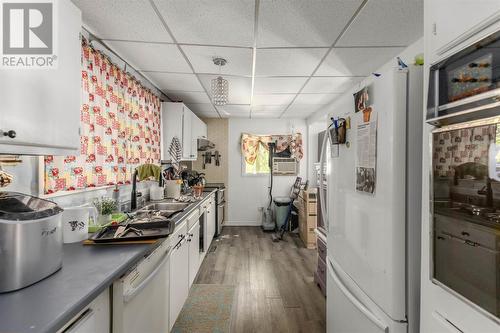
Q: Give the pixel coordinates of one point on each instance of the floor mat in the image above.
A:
(207, 309)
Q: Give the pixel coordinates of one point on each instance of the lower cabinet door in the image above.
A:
(194, 251)
(179, 279)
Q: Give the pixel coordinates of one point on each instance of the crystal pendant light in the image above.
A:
(220, 86)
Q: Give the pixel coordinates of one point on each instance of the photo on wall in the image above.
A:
(365, 179)
(363, 99)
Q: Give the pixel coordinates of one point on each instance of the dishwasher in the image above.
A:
(141, 297)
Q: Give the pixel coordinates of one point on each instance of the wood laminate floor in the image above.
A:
(275, 289)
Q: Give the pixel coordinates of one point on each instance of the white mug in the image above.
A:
(75, 222)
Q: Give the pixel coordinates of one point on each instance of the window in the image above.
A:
(260, 165)
(120, 129)
(255, 151)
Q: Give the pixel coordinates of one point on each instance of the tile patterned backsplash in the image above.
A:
(457, 147)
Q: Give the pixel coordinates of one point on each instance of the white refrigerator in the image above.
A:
(373, 252)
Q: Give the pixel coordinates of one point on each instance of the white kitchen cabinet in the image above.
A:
(187, 136)
(449, 22)
(199, 128)
(171, 125)
(179, 271)
(42, 106)
(95, 318)
(178, 120)
(194, 250)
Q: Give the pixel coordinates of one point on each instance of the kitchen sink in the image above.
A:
(166, 206)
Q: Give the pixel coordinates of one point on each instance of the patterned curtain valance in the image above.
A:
(119, 126)
(250, 145)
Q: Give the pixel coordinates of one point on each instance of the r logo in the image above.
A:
(27, 28)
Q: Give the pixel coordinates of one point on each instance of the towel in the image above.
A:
(175, 151)
(147, 171)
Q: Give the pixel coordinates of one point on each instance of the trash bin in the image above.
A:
(281, 210)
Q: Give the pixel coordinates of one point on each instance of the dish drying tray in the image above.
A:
(150, 230)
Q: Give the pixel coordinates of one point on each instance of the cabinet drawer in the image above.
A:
(466, 230)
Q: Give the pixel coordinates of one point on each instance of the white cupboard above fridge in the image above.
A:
(179, 121)
(40, 111)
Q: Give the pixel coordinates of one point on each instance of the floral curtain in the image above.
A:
(250, 145)
(119, 129)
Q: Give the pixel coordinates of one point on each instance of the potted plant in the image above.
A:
(105, 207)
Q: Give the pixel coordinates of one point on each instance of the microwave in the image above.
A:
(466, 85)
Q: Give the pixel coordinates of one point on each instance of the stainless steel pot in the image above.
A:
(30, 240)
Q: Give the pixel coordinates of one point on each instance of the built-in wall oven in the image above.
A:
(464, 105)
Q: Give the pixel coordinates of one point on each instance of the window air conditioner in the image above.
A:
(285, 166)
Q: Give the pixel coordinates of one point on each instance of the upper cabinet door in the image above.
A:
(449, 21)
(42, 106)
(187, 135)
(171, 126)
(199, 128)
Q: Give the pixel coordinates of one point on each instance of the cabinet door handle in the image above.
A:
(11, 133)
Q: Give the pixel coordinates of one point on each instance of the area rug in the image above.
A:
(207, 309)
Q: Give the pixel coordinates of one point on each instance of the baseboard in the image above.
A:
(242, 223)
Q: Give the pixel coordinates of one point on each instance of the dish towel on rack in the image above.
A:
(175, 151)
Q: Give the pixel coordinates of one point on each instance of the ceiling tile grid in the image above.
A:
(289, 58)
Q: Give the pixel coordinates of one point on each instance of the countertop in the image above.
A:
(87, 271)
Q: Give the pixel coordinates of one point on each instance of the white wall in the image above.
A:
(247, 193)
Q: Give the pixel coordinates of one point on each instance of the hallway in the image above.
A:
(275, 291)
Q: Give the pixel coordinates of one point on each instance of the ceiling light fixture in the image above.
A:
(220, 86)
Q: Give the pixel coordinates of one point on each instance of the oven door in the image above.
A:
(465, 191)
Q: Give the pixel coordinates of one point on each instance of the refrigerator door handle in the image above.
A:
(322, 200)
(355, 301)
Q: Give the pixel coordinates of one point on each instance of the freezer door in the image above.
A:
(349, 311)
(367, 230)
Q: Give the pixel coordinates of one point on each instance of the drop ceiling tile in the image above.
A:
(151, 57)
(269, 108)
(315, 99)
(189, 97)
(113, 19)
(173, 81)
(240, 88)
(386, 23)
(256, 114)
(270, 99)
(238, 115)
(328, 85)
(303, 23)
(278, 85)
(301, 110)
(356, 61)
(239, 60)
(202, 108)
(235, 109)
(224, 22)
(288, 62)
